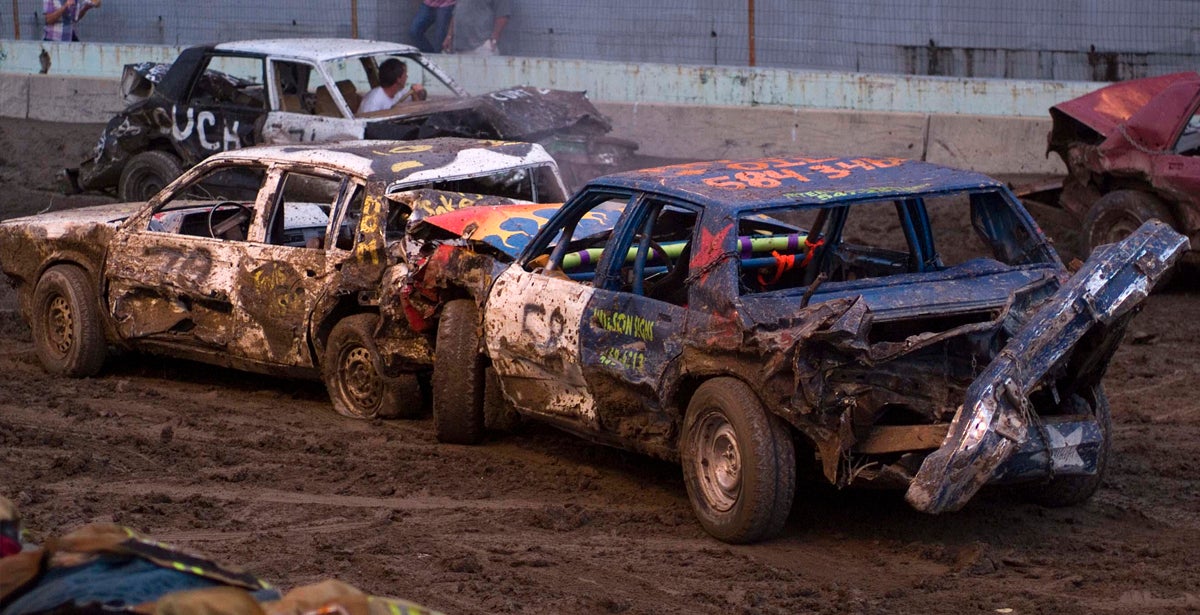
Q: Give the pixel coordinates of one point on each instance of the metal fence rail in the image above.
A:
(1026, 39)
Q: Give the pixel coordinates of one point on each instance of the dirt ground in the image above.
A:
(261, 472)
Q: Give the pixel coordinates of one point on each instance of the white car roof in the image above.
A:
(397, 162)
(316, 49)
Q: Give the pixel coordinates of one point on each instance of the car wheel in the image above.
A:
(1065, 491)
(458, 375)
(146, 174)
(1118, 214)
(739, 463)
(67, 333)
(351, 375)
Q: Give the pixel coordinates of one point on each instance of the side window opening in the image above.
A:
(776, 249)
(218, 204)
(292, 82)
(348, 227)
(657, 261)
(230, 80)
(302, 210)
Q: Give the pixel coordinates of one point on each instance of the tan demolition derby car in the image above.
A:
(280, 260)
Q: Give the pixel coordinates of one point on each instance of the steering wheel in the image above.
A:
(656, 247)
(219, 230)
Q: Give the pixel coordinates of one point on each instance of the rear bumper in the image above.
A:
(995, 434)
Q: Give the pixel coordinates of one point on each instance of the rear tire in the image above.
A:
(1116, 215)
(739, 463)
(67, 333)
(1066, 491)
(146, 174)
(458, 375)
(352, 377)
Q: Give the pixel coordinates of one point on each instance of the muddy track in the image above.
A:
(260, 472)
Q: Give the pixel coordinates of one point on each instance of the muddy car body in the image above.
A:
(1132, 151)
(901, 323)
(278, 259)
(232, 95)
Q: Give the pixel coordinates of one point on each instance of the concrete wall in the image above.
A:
(994, 126)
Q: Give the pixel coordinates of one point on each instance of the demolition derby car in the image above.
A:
(1132, 151)
(232, 95)
(903, 324)
(277, 259)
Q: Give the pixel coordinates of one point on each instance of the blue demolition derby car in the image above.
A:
(901, 323)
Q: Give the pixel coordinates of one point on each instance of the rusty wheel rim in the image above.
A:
(360, 382)
(718, 461)
(1120, 226)
(60, 324)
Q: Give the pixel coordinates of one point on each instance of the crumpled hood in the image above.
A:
(524, 113)
(509, 228)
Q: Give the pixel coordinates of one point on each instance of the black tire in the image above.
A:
(498, 413)
(739, 463)
(146, 174)
(1066, 491)
(1116, 215)
(458, 375)
(67, 332)
(352, 377)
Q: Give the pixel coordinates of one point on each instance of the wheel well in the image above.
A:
(686, 385)
(347, 306)
(70, 263)
(1113, 184)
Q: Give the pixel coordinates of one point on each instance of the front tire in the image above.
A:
(351, 373)
(146, 174)
(67, 333)
(458, 375)
(739, 463)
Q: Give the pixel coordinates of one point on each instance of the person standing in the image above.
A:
(476, 26)
(431, 12)
(62, 16)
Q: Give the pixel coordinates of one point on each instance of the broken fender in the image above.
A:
(997, 419)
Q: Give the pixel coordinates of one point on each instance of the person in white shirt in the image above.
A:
(392, 88)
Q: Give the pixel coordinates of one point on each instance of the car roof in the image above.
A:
(400, 161)
(316, 49)
(796, 180)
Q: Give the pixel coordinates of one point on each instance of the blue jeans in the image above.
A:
(426, 15)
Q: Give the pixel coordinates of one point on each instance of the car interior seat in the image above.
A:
(325, 104)
(349, 94)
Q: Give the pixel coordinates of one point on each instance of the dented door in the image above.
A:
(532, 331)
(173, 288)
(276, 289)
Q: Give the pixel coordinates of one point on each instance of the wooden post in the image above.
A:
(353, 18)
(16, 20)
(750, 29)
